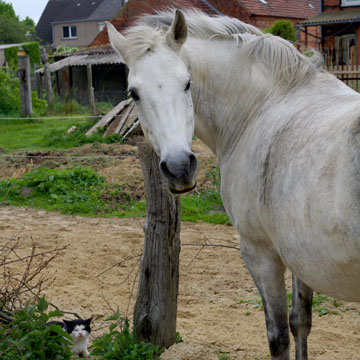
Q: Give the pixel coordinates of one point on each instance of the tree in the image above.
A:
(282, 28)
(12, 29)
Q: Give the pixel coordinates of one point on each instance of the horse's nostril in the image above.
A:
(166, 172)
(193, 164)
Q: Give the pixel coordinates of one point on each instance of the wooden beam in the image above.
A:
(109, 116)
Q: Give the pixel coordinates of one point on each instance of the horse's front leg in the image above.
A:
(300, 316)
(267, 270)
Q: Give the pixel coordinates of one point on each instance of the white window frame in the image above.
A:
(101, 26)
(350, 2)
(70, 32)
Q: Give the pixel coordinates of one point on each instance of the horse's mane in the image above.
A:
(288, 65)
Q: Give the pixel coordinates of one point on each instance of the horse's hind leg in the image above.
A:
(267, 271)
(300, 316)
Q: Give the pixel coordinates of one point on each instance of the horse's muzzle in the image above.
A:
(180, 172)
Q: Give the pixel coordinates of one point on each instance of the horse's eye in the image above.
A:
(134, 95)
(187, 88)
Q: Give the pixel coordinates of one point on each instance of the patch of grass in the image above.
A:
(33, 134)
(202, 208)
(76, 191)
(50, 133)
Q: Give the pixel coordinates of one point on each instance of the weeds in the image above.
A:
(28, 337)
(120, 343)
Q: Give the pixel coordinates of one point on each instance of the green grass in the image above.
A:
(81, 191)
(49, 133)
(34, 134)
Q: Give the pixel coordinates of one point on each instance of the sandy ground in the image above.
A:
(218, 304)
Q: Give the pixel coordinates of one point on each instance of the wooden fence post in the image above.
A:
(25, 85)
(48, 85)
(156, 302)
(90, 88)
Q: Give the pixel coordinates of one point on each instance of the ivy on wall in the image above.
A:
(11, 56)
(32, 49)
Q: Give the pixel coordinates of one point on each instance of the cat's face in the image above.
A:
(78, 328)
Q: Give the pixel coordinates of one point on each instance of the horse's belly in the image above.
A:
(334, 271)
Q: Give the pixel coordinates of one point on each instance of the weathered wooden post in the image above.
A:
(156, 302)
(38, 82)
(48, 85)
(25, 84)
(90, 88)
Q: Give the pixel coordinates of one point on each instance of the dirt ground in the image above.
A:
(218, 305)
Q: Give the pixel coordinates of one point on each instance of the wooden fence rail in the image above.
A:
(349, 74)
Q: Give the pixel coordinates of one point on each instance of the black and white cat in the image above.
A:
(80, 331)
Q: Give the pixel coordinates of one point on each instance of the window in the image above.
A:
(69, 32)
(350, 2)
(101, 26)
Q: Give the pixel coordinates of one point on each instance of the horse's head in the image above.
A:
(159, 83)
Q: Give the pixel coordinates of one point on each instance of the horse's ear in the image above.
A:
(178, 31)
(117, 41)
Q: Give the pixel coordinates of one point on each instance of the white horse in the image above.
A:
(287, 138)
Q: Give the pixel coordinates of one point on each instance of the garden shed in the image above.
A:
(108, 75)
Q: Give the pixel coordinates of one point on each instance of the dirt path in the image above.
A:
(218, 303)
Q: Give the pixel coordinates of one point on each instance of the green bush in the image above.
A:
(9, 94)
(28, 336)
(10, 97)
(120, 343)
(282, 28)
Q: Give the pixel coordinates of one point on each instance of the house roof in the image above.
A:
(51, 11)
(106, 10)
(299, 9)
(134, 8)
(62, 11)
(333, 17)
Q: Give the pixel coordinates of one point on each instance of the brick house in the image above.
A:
(261, 13)
(75, 22)
(339, 21)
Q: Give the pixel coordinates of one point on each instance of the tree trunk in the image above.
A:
(156, 302)
(25, 85)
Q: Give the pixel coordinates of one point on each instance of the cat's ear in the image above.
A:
(88, 321)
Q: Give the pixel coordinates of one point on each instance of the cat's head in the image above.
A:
(78, 328)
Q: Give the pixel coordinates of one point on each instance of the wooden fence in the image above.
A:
(349, 74)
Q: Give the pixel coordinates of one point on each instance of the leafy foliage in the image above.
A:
(120, 343)
(11, 56)
(9, 94)
(28, 336)
(63, 49)
(282, 28)
(12, 29)
(10, 97)
(33, 50)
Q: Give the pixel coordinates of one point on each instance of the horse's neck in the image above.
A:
(223, 105)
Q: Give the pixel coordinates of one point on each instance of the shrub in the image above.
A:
(9, 94)
(282, 28)
(28, 337)
(120, 343)
(10, 97)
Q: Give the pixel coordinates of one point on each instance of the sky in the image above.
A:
(31, 8)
